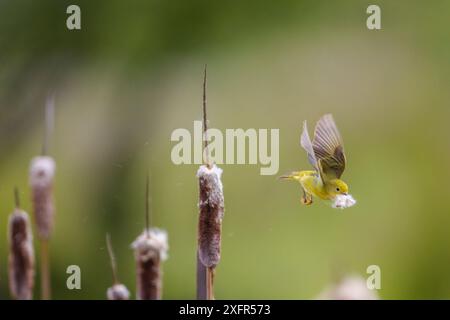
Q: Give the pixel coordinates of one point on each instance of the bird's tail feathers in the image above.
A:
(290, 176)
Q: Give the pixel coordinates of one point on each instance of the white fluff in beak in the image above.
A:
(343, 201)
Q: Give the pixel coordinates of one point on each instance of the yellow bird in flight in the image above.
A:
(326, 155)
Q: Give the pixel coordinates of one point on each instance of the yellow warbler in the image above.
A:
(326, 155)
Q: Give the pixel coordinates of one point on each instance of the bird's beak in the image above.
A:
(345, 193)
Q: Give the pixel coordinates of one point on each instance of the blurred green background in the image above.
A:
(133, 74)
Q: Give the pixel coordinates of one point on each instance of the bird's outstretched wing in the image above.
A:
(328, 148)
(306, 144)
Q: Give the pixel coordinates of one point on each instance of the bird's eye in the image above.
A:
(337, 189)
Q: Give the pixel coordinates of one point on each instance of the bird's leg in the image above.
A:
(306, 198)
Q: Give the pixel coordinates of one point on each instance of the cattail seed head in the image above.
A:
(118, 292)
(42, 171)
(21, 256)
(211, 207)
(150, 249)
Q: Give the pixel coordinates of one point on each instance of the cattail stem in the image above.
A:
(112, 259)
(211, 210)
(205, 282)
(210, 283)
(45, 270)
(202, 289)
(16, 198)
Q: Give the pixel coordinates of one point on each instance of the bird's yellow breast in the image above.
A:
(312, 183)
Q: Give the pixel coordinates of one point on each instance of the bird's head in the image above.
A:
(337, 186)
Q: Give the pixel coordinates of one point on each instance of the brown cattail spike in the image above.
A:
(42, 171)
(211, 206)
(21, 255)
(150, 249)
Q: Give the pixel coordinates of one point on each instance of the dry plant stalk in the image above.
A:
(118, 291)
(211, 212)
(21, 255)
(42, 172)
(150, 249)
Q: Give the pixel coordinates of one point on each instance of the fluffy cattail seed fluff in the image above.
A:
(352, 287)
(150, 249)
(21, 256)
(42, 171)
(211, 206)
(343, 201)
(118, 292)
